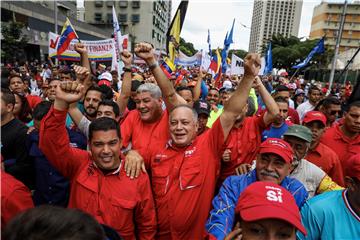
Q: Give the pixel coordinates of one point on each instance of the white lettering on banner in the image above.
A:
(100, 50)
(275, 196)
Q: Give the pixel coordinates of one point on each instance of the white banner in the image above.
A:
(100, 50)
(237, 65)
(205, 60)
(183, 60)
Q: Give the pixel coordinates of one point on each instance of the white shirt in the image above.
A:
(303, 108)
(308, 174)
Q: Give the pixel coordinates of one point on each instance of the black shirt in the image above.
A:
(15, 152)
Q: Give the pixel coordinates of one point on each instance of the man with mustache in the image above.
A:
(273, 164)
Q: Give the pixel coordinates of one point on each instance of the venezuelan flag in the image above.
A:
(67, 34)
(168, 67)
(215, 64)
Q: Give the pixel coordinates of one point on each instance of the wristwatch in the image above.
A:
(153, 66)
(127, 69)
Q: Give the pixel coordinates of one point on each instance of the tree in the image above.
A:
(187, 47)
(14, 41)
(288, 52)
(238, 52)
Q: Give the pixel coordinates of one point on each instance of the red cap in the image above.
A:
(278, 147)
(104, 82)
(352, 166)
(314, 116)
(264, 200)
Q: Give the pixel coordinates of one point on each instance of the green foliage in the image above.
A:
(238, 52)
(14, 41)
(287, 52)
(187, 47)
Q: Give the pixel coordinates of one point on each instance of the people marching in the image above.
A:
(149, 155)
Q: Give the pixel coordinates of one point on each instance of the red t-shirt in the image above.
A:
(15, 198)
(343, 146)
(183, 182)
(293, 116)
(33, 100)
(141, 134)
(244, 143)
(326, 159)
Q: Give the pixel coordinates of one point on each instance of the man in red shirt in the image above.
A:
(184, 169)
(15, 198)
(319, 154)
(99, 185)
(244, 139)
(345, 139)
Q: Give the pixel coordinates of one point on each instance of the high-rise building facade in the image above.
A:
(142, 20)
(326, 21)
(273, 17)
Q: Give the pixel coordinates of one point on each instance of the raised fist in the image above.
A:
(126, 57)
(69, 91)
(145, 51)
(252, 64)
(81, 73)
(80, 48)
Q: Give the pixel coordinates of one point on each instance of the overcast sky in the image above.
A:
(218, 16)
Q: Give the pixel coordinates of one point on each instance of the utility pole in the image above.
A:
(333, 65)
(56, 25)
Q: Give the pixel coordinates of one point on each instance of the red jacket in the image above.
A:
(113, 199)
(15, 198)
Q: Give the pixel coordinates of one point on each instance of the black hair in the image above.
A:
(55, 223)
(41, 110)
(95, 88)
(282, 88)
(135, 84)
(7, 96)
(213, 88)
(280, 99)
(313, 88)
(104, 124)
(25, 114)
(326, 102)
(15, 75)
(354, 104)
(184, 88)
(111, 103)
(107, 92)
(251, 107)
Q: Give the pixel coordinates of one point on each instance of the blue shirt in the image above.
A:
(274, 132)
(221, 220)
(330, 216)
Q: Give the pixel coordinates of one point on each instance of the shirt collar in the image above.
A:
(115, 172)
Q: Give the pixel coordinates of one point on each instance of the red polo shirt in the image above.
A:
(113, 199)
(183, 182)
(244, 143)
(141, 134)
(293, 116)
(325, 158)
(15, 198)
(343, 146)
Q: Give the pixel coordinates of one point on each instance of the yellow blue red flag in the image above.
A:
(67, 34)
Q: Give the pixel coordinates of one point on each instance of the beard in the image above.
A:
(90, 114)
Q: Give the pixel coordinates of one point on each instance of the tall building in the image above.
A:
(142, 20)
(273, 17)
(326, 20)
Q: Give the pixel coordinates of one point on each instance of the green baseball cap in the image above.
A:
(299, 131)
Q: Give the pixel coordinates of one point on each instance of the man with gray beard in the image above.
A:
(273, 165)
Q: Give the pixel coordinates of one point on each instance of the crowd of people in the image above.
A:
(90, 154)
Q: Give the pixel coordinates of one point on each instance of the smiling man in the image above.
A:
(99, 185)
(273, 165)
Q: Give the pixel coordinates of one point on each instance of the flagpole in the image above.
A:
(294, 74)
(338, 40)
(56, 26)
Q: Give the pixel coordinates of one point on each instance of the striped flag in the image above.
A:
(67, 34)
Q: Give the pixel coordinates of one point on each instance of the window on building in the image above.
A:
(98, 3)
(98, 17)
(153, 33)
(123, 18)
(109, 18)
(135, 18)
(135, 4)
(109, 3)
(123, 4)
